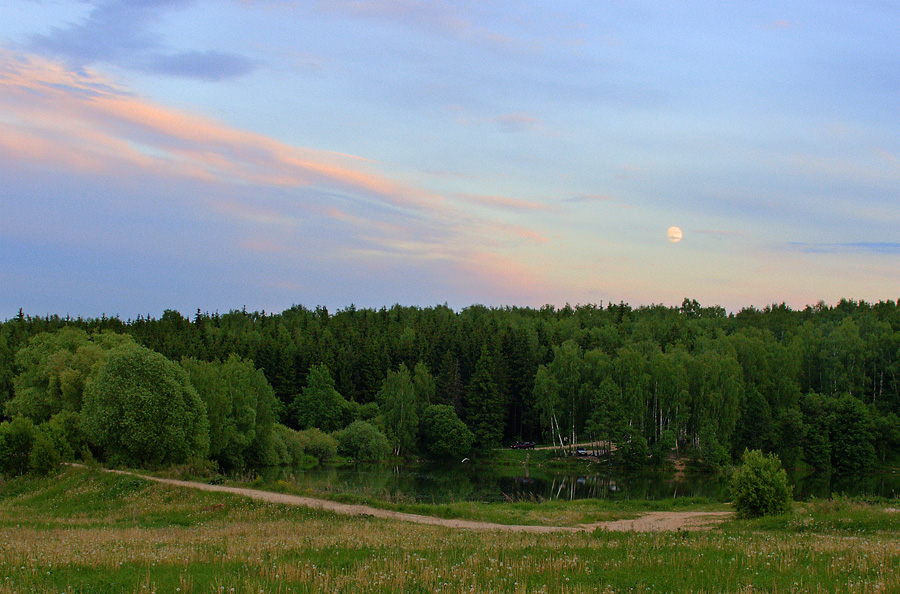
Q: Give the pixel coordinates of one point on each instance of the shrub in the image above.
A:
(44, 457)
(321, 446)
(632, 451)
(289, 445)
(444, 435)
(64, 429)
(760, 486)
(362, 441)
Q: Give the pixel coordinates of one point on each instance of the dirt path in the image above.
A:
(651, 522)
(667, 521)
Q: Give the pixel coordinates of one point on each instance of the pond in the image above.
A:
(427, 483)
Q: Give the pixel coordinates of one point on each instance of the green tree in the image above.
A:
(141, 410)
(239, 405)
(851, 434)
(55, 367)
(790, 441)
(713, 453)
(756, 430)
(397, 399)
(816, 445)
(607, 421)
(287, 448)
(663, 446)
(444, 435)
(425, 387)
(561, 391)
(319, 404)
(760, 486)
(484, 405)
(887, 431)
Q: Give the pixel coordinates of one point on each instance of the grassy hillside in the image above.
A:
(91, 532)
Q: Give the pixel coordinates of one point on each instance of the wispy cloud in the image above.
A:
(84, 123)
(503, 202)
(716, 233)
(80, 117)
(121, 32)
(630, 172)
(208, 65)
(440, 16)
(512, 123)
(589, 198)
(518, 122)
(871, 247)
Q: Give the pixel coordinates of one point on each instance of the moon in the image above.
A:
(674, 234)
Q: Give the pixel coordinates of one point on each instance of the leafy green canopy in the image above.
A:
(240, 407)
(55, 368)
(141, 409)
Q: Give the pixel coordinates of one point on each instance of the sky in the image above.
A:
(176, 154)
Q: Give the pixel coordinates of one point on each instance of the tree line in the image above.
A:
(817, 386)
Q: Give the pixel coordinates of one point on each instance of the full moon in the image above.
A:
(674, 234)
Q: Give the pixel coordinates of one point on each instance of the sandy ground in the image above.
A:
(650, 522)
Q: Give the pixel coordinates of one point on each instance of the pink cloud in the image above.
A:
(92, 124)
(84, 122)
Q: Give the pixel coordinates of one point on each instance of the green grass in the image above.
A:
(90, 532)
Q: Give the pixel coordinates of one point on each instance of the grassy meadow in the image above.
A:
(85, 531)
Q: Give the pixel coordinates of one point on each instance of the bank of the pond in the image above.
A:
(537, 477)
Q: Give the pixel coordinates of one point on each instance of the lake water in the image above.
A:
(444, 484)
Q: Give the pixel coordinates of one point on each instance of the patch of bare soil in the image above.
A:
(650, 522)
(667, 521)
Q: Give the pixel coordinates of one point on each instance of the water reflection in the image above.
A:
(445, 484)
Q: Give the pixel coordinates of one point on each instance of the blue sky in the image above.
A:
(186, 154)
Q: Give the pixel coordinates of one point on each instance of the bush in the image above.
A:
(16, 441)
(319, 445)
(760, 486)
(444, 436)
(45, 457)
(362, 441)
(64, 429)
(632, 451)
(289, 444)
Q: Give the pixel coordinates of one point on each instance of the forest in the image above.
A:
(820, 387)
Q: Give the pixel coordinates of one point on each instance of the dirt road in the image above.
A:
(650, 522)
